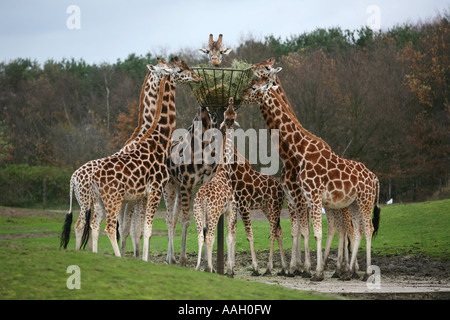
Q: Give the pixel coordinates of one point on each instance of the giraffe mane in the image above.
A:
(158, 110)
(141, 112)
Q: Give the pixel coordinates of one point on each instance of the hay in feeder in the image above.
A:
(219, 84)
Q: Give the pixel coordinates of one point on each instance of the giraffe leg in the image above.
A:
(279, 236)
(152, 203)
(186, 195)
(198, 216)
(208, 247)
(339, 267)
(316, 215)
(137, 225)
(246, 219)
(231, 239)
(200, 240)
(124, 219)
(330, 235)
(171, 197)
(305, 231)
(368, 231)
(79, 227)
(356, 221)
(112, 209)
(96, 220)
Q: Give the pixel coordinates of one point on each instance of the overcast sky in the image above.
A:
(103, 31)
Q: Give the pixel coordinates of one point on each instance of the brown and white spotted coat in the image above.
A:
(215, 198)
(141, 172)
(324, 177)
(81, 180)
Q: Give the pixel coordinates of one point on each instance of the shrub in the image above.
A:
(23, 185)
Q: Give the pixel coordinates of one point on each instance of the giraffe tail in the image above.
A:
(205, 218)
(65, 234)
(86, 230)
(376, 212)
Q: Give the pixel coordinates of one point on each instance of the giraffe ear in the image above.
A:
(203, 51)
(166, 71)
(222, 125)
(150, 67)
(277, 70)
(237, 124)
(274, 87)
(226, 51)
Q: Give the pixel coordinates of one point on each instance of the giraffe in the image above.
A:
(325, 178)
(297, 206)
(80, 182)
(216, 197)
(340, 220)
(142, 172)
(337, 219)
(215, 51)
(185, 176)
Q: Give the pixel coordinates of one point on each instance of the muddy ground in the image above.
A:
(401, 276)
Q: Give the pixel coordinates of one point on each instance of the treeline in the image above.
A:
(378, 97)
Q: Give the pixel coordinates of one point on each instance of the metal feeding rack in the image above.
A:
(219, 84)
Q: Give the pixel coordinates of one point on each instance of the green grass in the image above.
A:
(32, 271)
(35, 268)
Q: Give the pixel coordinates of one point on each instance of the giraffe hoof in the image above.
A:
(290, 275)
(317, 278)
(306, 274)
(365, 278)
(267, 273)
(335, 275)
(282, 273)
(345, 276)
(297, 272)
(255, 273)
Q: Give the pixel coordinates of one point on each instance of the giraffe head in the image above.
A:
(160, 69)
(229, 116)
(181, 72)
(265, 68)
(215, 50)
(256, 90)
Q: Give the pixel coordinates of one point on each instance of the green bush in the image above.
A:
(23, 185)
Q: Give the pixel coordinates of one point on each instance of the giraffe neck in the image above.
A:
(165, 120)
(293, 138)
(147, 109)
(227, 153)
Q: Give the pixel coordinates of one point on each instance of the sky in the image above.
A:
(104, 31)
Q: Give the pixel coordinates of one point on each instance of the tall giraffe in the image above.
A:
(142, 172)
(337, 219)
(324, 177)
(81, 180)
(215, 51)
(216, 197)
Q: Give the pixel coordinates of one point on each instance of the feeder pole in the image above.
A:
(220, 251)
